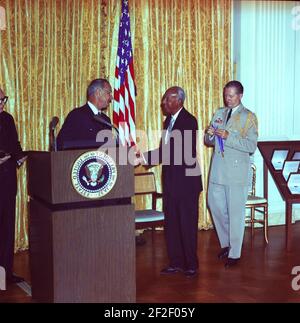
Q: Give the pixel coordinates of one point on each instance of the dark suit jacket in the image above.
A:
(80, 129)
(178, 157)
(10, 144)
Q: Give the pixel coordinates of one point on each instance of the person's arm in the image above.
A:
(190, 144)
(152, 157)
(16, 150)
(4, 159)
(209, 136)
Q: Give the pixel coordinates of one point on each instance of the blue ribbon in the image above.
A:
(220, 141)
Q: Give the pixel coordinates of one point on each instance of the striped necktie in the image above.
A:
(169, 129)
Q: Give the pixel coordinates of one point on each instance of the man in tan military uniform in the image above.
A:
(233, 133)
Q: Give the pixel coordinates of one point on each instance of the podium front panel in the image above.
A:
(84, 255)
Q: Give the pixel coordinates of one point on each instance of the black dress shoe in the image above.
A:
(191, 273)
(170, 270)
(231, 262)
(13, 279)
(223, 253)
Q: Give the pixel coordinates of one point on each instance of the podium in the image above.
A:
(267, 149)
(81, 249)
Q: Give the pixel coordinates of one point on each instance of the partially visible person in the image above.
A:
(233, 133)
(181, 183)
(81, 128)
(11, 157)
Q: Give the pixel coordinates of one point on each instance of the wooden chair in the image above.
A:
(256, 204)
(145, 184)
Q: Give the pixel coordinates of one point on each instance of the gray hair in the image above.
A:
(181, 93)
(95, 85)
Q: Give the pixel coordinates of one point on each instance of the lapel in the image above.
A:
(166, 122)
(176, 124)
(88, 111)
(105, 117)
(91, 114)
(224, 118)
(234, 116)
(178, 120)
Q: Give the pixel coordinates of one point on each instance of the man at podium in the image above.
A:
(83, 124)
(11, 156)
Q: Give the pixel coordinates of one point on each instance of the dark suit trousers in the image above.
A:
(7, 231)
(181, 229)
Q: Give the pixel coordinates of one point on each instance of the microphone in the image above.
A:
(54, 122)
(101, 120)
(52, 125)
(98, 118)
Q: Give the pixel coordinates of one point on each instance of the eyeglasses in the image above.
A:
(3, 100)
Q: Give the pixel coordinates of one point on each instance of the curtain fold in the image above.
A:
(51, 50)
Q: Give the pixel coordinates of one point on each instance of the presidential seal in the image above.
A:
(94, 174)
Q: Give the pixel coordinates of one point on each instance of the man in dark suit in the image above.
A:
(11, 156)
(83, 124)
(181, 180)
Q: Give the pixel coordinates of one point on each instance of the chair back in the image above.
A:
(252, 180)
(144, 183)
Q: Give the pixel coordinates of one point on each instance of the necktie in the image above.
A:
(229, 115)
(169, 129)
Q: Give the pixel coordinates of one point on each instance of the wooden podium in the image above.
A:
(81, 249)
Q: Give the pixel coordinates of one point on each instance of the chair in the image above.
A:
(256, 204)
(149, 218)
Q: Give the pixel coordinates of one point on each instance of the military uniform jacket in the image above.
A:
(233, 166)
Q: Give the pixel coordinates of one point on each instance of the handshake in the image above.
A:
(139, 157)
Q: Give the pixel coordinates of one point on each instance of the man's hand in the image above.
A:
(4, 159)
(210, 131)
(139, 158)
(222, 133)
(137, 161)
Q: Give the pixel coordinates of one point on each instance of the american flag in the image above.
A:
(124, 86)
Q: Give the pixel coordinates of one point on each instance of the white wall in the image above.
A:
(266, 56)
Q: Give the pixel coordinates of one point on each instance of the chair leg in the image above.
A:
(152, 232)
(266, 223)
(252, 221)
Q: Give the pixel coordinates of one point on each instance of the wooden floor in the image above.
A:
(263, 274)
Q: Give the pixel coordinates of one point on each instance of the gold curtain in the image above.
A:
(51, 49)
